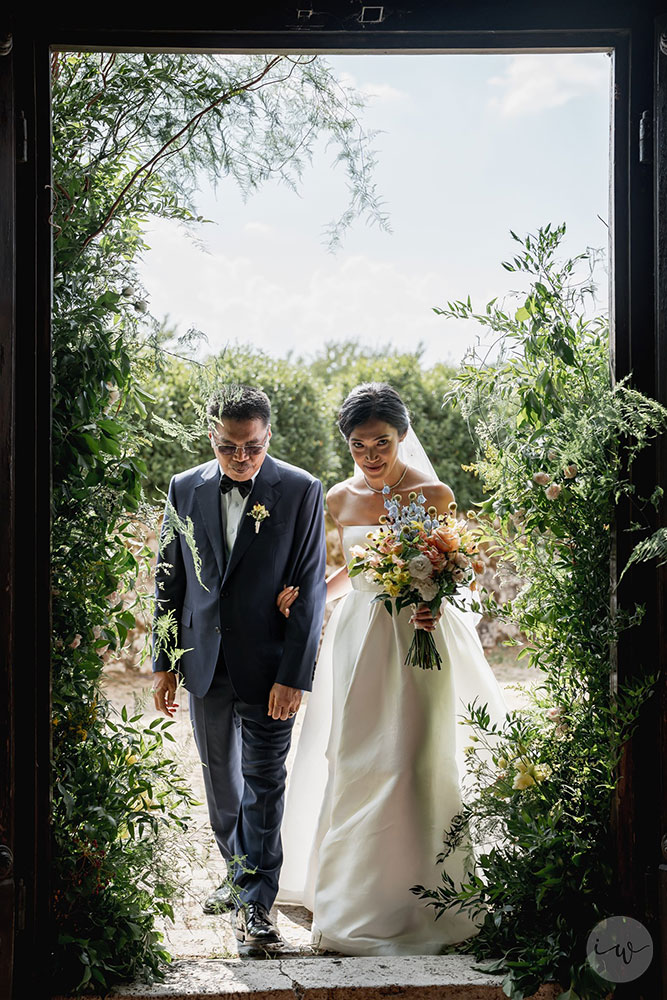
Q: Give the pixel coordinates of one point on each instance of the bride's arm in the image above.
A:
(338, 584)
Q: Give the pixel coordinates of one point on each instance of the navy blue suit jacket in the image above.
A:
(238, 609)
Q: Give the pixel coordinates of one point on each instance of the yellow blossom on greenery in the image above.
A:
(131, 758)
(529, 774)
(502, 762)
(146, 802)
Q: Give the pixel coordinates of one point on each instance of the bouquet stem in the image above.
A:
(423, 651)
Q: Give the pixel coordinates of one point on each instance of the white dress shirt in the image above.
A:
(232, 508)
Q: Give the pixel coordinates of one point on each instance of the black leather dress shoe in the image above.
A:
(255, 929)
(219, 901)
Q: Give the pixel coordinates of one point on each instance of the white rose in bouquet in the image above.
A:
(420, 568)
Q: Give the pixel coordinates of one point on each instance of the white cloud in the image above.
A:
(278, 307)
(377, 92)
(261, 228)
(384, 92)
(536, 82)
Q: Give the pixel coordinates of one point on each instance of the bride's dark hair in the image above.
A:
(372, 400)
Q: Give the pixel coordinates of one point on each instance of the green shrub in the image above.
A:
(306, 396)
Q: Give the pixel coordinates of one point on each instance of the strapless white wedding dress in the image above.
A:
(377, 778)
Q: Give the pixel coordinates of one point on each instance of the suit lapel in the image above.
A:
(208, 498)
(265, 491)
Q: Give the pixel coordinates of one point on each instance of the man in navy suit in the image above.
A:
(258, 524)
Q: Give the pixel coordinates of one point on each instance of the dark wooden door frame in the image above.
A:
(7, 564)
(640, 344)
(25, 436)
(660, 153)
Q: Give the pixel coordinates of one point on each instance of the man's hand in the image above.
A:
(164, 691)
(284, 701)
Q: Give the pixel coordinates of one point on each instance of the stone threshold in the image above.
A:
(414, 977)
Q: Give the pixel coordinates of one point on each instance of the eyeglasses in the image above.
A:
(249, 449)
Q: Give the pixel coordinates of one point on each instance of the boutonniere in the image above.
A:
(258, 513)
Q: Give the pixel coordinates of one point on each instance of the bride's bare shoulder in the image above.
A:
(438, 494)
(337, 495)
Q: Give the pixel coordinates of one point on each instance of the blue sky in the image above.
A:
(471, 147)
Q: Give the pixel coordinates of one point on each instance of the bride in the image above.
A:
(378, 771)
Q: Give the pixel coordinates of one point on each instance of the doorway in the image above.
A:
(626, 262)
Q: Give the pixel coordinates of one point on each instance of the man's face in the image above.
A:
(241, 435)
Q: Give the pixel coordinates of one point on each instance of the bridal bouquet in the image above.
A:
(418, 557)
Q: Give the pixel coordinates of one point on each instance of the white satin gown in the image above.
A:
(377, 777)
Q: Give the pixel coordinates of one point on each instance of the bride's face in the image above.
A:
(374, 447)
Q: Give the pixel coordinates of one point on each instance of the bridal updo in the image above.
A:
(372, 400)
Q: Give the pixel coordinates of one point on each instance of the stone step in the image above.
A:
(420, 977)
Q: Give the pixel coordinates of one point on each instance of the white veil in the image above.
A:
(411, 451)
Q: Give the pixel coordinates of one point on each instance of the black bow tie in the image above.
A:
(244, 487)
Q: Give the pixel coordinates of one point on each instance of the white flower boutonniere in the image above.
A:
(258, 513)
